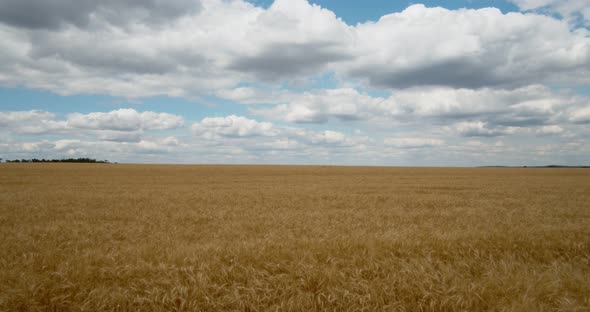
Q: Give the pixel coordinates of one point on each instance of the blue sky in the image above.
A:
(353, 12)
(433, 83)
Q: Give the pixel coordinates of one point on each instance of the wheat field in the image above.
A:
(89, 237)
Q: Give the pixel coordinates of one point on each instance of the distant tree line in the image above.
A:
(67, 160)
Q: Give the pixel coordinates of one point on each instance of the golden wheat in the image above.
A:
(258, 238)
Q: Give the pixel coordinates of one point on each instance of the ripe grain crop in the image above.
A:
(286, 238)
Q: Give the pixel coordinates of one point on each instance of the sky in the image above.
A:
(331, 82)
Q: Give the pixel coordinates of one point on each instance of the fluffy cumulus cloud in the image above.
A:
(527, 106)
(30, 122)
(232, 126)
(465, 48)
(216, 139)
(316, 39)
(125, 120)
(469, 49)
(481, 129)
(117, 125)
(550, 130)
(319, 106)
(582, 115)
(242, 129)
(328, 137)
(123, 134)
(119, 151)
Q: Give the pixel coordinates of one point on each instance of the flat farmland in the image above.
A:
(293, 238)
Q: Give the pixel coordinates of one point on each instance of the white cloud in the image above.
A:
(215, 139)
(550, 130)
(468, 49)
(321, 105)
(316, 38)
(282, 144)
(582, 115)
(123, 125)
(250, 95)
(119, 136)
(248, 133)
(30, 122)
(413, 142)
(100, 149)
(571, 10)
(61, 145)
(327, 137)
(473, 143)
(232, 126)
(171, 141)
(125, 120)
(522, 107)
(478, 129)
(149, 146)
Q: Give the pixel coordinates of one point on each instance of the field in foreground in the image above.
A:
(148, 237)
